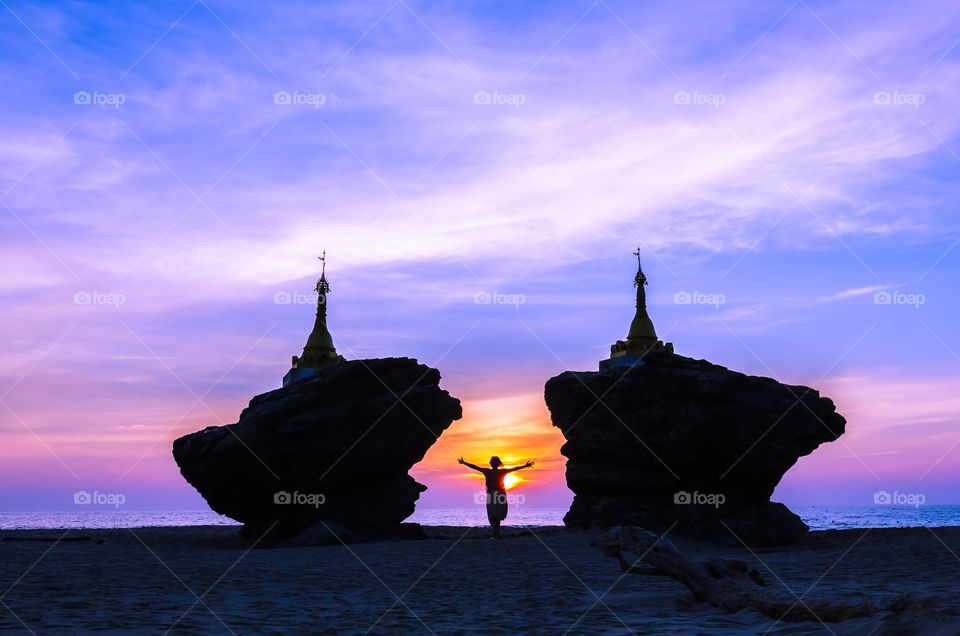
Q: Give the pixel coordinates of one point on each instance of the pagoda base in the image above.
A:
(630, 354)
(295, 375)
(627, 360)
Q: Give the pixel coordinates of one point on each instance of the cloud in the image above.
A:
(852, 293)
(613, 158)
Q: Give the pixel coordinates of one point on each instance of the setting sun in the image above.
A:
(510, 480)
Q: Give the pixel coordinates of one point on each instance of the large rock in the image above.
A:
(335, 447)
(642, 440)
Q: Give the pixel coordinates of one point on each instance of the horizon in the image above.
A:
(478, 185)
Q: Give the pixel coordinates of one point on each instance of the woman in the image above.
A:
(496, 492)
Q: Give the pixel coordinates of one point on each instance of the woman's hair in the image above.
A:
(495, 461)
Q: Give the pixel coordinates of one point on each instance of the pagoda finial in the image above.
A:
(640, 278)
(322, 285)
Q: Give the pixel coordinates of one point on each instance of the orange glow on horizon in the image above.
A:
(515, 428)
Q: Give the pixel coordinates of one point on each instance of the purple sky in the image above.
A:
(797, 161)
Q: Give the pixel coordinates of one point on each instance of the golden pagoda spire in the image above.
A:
(642, 337)
(641, 329)
(319, 351)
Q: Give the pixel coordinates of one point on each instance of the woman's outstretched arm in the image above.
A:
(468, 464)
(527, 465)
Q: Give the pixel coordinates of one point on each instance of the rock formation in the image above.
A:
(334, 447)
(688, 445)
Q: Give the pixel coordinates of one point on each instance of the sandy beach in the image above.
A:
(550, 581)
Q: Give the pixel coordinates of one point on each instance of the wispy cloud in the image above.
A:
(853, 293)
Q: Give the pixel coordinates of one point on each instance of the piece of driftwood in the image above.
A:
(726, 583)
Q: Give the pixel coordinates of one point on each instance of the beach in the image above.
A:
(457, 581)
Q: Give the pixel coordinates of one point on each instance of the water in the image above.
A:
(519, 516)
(842, 517)
(477, 516)
(111, 519)
(817, 517)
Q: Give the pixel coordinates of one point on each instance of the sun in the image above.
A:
(510, 480)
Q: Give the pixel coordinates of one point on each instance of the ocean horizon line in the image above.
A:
(816, 517)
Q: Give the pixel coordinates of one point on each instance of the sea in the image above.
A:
(817, 517)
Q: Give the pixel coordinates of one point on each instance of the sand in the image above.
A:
(552, 581)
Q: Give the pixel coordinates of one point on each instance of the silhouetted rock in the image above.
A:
(642, 439)
(334, 447)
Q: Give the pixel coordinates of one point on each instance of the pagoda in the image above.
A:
(642, 337)
(319, 351)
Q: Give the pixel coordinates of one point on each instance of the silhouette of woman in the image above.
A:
(496, 492)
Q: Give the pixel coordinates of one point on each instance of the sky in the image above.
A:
(169, 173)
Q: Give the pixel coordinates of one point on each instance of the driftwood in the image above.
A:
(727, 583)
